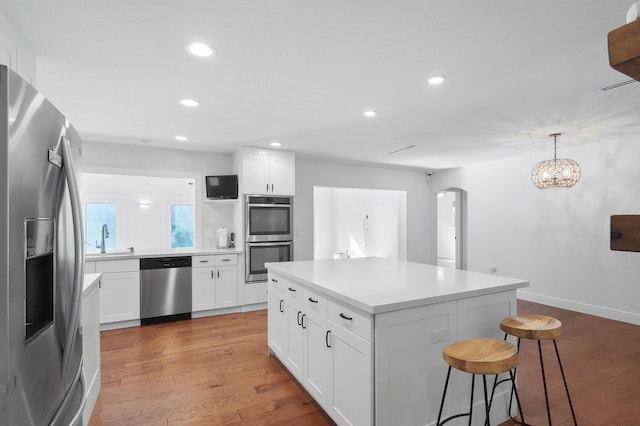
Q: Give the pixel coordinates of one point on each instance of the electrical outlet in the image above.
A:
(439, 335)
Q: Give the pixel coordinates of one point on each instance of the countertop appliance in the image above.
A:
(165, 289)
(41, 260)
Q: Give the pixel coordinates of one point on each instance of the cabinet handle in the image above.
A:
(292, 289)
(271, 187)
(302, 322)
(267, 187)
(281, 305)
(226, 260)
(218, 273)
(211, 274)
(204, 261)
(313, 300)
(274, 280)
(326, 338)
(345, 317)
(299, 312)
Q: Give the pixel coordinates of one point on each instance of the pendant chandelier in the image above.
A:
(556, 173)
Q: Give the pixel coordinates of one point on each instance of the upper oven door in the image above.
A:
(268, 221)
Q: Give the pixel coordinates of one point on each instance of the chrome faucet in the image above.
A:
(105, 234)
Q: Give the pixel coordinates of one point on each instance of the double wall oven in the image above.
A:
(268, 231)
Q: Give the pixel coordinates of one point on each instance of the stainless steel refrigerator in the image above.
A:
(41, 260)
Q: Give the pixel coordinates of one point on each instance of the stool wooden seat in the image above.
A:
(479, 356)
(538, 327)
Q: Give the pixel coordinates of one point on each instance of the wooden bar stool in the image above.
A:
(538, 327)
(479, 356)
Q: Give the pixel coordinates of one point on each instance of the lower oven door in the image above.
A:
(257, 254)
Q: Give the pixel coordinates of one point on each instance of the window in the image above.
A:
(181, 225)
(100, 220)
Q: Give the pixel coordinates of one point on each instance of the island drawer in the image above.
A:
(355, 320)
(292, 289)
(314, 300)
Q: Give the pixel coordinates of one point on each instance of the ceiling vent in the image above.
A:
(624, 49)
(401, 149)
(615, 86)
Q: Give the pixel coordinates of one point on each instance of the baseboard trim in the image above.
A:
(599, 311)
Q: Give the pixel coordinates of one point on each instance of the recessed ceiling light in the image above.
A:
(438, 79)
(369, 113)
(182, 138)
(189, 102)
(199, 49)
(275, 143)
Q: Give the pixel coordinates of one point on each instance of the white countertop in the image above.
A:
(137, 254)
(378, 285)
(90, 281)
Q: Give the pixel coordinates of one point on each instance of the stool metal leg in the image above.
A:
(487, 420)
(544, 382)
(473, 385)
(444, 394)
(565, 383)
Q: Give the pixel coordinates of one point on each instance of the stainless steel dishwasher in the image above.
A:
(165, 289)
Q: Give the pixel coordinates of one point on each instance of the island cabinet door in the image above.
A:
(318, 358)
(352, 379)
(295, 341)
(277, 317)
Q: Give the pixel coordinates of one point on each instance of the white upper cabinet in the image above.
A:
(267, 172)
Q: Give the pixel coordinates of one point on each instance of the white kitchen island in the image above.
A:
(365, 336)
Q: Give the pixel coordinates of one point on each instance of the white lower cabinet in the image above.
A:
(352, 379)
(277, 318)
(319, 353)
(214, 282)
(90, 320)
(119, 290)
(120, 297)
(333, 364)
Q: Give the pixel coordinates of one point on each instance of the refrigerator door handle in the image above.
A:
(78, 238)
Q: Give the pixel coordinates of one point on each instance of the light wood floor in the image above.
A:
(217, 371)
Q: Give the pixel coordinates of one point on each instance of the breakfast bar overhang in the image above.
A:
(365, 336)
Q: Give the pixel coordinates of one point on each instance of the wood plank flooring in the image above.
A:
(217, 371)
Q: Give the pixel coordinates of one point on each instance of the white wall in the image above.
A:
(558, 239)
(143, 227)
(341, 215)
(15, 51)
(311, 173)
(149, 161)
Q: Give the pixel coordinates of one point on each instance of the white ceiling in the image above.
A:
(303, 72)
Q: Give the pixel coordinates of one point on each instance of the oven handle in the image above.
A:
(270, 244)
(249, 205)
